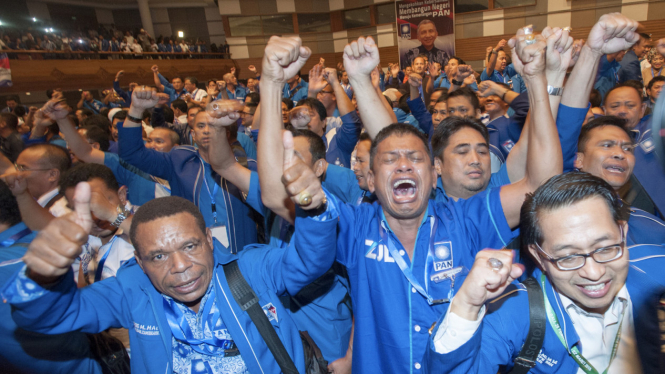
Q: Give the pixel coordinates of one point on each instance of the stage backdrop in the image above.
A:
(425, 27)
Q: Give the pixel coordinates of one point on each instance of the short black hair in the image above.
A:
(396, 129)
(585, 133)
(97, 135)
(316, 105)
(87, 172)
(316, 146)
(595, 98)
(19, 110)
(561, 191)
(54, 157)
(164, 207)
(98, 121)
(147, 114)
(10, 119)
(179, 104)
(193, 80)
(86, 112)
(660, 78)
(645, 35)
(288, 102)
(255, 97)
(469, 94)
(459, 60)
(13, 98)
(607, 95)
(9, 213)
(120, 115)
(638, 85)
(168, 114)
(451, 125)
(364, 137)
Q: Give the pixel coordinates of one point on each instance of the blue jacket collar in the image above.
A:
(566, 324)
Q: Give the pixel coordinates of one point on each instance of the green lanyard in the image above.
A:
(583, 363)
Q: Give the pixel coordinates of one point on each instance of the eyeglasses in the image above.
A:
(327, 92)
(19, 167)
(600, 255)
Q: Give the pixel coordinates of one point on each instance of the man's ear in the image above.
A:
(579, 160)
(122, 195)
(95, 145)
(320, 167)
(54, 175)
(438, 165)
(370, 181)
(138, 259)
(209, 238)
(534, 254)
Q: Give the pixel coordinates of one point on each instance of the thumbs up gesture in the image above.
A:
(301, 183)
(55, 248)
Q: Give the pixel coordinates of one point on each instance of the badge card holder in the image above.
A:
(219, 232)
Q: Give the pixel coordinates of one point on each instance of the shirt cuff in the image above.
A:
(22, 289)
(331, 212)
(454, 331)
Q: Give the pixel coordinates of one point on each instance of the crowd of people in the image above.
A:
(105, 42)
(433, 219)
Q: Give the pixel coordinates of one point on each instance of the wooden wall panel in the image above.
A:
(41, 75)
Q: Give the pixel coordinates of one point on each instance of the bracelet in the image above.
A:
(134, 119)
(504, 95)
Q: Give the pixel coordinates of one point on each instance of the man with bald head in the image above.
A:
(232, 89)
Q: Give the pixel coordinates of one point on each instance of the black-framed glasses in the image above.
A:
(600, 255)
(20, 167)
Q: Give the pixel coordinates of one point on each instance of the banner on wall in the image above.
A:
(425, 27)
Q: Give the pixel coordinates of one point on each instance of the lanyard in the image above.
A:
(583, 363)
(654, 75)
(210, 316)
(12, 239)
(212, 194)
(406, 270)
(102, 261)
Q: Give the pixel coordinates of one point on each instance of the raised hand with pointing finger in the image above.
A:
(53, 251)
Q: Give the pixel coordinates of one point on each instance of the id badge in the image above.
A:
(219, 233)
(442, 284)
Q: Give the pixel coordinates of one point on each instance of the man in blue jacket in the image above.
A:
(188, 171)
(22, 351)
(600, 297)
(174, 298)
(630, 64)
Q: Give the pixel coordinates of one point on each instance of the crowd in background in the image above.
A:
(126, 44)
(398, 220)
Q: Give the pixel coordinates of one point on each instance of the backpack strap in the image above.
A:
(526, 360)
(249, 302)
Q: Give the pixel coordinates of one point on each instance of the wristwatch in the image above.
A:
(123, 213)
(555, 91)
(455, 82)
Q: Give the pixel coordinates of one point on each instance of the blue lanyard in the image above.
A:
(654, 75)
(183, 333)
(212, 194)
(102, 261)
(406, 270)
(12, 239)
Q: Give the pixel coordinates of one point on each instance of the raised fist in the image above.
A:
(360, 57)
(415, 80)
(223, 112)
(154, 68)
(252, 68)
(330, 75)
(528, 60)
(612, 33)
(559, 49)
(299, 180)
(145, 97)
(283, 59)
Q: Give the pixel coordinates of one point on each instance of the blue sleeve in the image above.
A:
(342, 183)
(254, 194)
(310, 253)
(59, 142)
(604, 66)
(157, 119)
(133, 150)
(484, 76)
(473, 86)
(348, 134)
(485, 222)
(421, 114)
(164, 82)
(140, 186)
(39, 140)
(382, 81)
(510, 70)
(169, 91)
(248, 145)
(521, 107)
(569, 125)
(64, 307)
(301, 94)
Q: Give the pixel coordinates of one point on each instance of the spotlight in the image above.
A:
(34, 19)
(181, 34)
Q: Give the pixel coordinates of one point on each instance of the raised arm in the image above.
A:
(360, 58)
(375, 75)
(489, 70)
(344, 104)
(157, 78)
(34, 215)
(317, 81)
(544, 158)
(282, 60)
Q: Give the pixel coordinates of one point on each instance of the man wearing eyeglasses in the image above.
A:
(600, 298)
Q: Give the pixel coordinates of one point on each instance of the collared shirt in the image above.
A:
(239, 93)
(597, 333)
(391, 318)
(198, 94)
(188, 361)
(498, 77)
(181, 120)
(115, 252)
(94, 105)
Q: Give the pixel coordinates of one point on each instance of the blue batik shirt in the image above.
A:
(188, 361)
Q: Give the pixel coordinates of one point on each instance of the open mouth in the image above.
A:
(596, 290)
(188, 286)
(614, 169)
(404, 190)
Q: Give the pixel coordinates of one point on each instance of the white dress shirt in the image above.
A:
(59, 208)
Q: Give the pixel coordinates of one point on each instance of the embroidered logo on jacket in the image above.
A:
(146, 329)
(443, 256)
(378, 252)
(271, 312)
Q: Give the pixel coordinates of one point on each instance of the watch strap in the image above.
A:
(555, 91)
